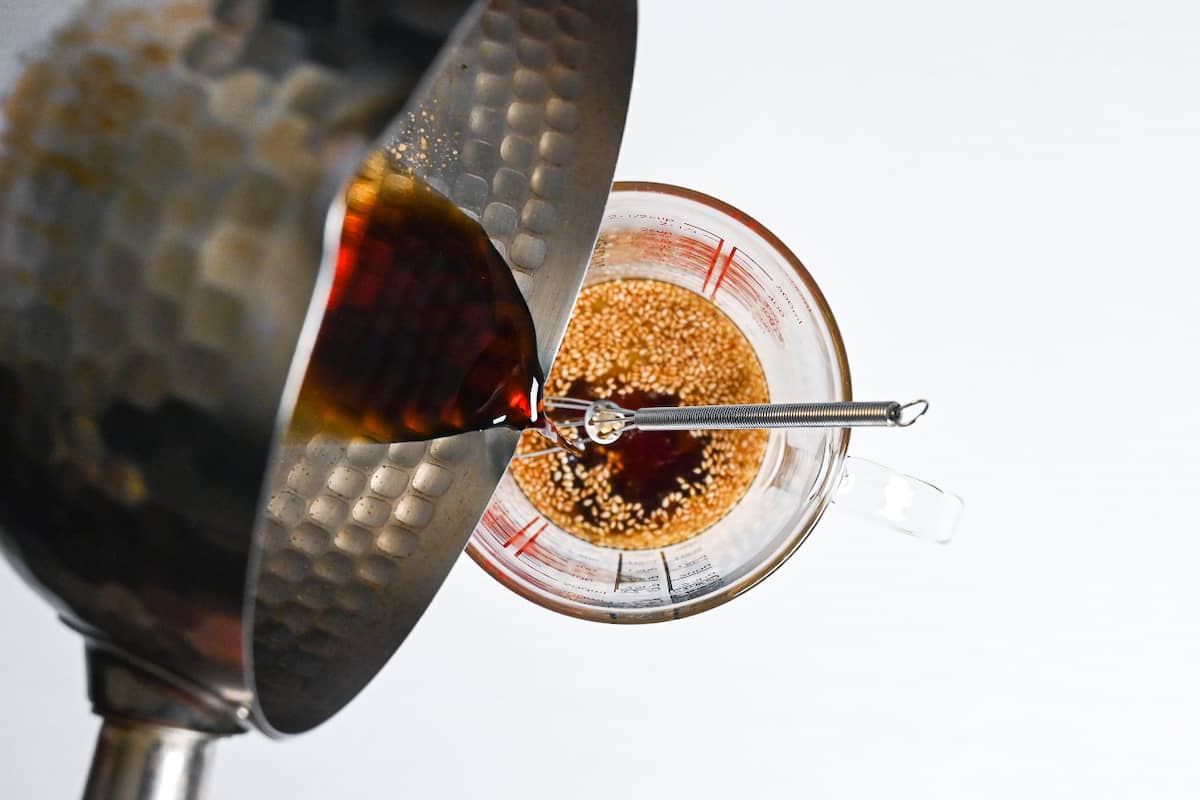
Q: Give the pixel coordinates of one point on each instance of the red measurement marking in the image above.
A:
(526, 527)
(531, 539)
(724, 270)
(694, 255)
(491, 521)
(696, 227)
(713, 263)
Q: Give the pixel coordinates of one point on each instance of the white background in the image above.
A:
(1001, 203)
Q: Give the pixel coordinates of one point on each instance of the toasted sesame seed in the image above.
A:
(654, 337)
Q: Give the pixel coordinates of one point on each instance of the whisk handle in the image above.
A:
(780, 415)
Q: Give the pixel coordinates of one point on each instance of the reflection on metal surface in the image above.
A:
(167, 167)
(359, 537)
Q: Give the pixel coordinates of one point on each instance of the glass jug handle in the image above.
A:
(900, 502)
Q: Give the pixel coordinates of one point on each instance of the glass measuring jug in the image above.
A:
(698, 243)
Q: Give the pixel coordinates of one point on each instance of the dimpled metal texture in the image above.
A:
(148, 212)
(520, 129)
(165, 172)
(522, 114)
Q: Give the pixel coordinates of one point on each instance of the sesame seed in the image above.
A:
(652, 337)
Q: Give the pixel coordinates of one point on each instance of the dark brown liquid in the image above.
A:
(644, 466)
(642, 343)
(425, 332)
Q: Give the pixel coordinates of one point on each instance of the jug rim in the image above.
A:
(823, 497)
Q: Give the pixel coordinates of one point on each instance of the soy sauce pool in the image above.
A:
(643, 342)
